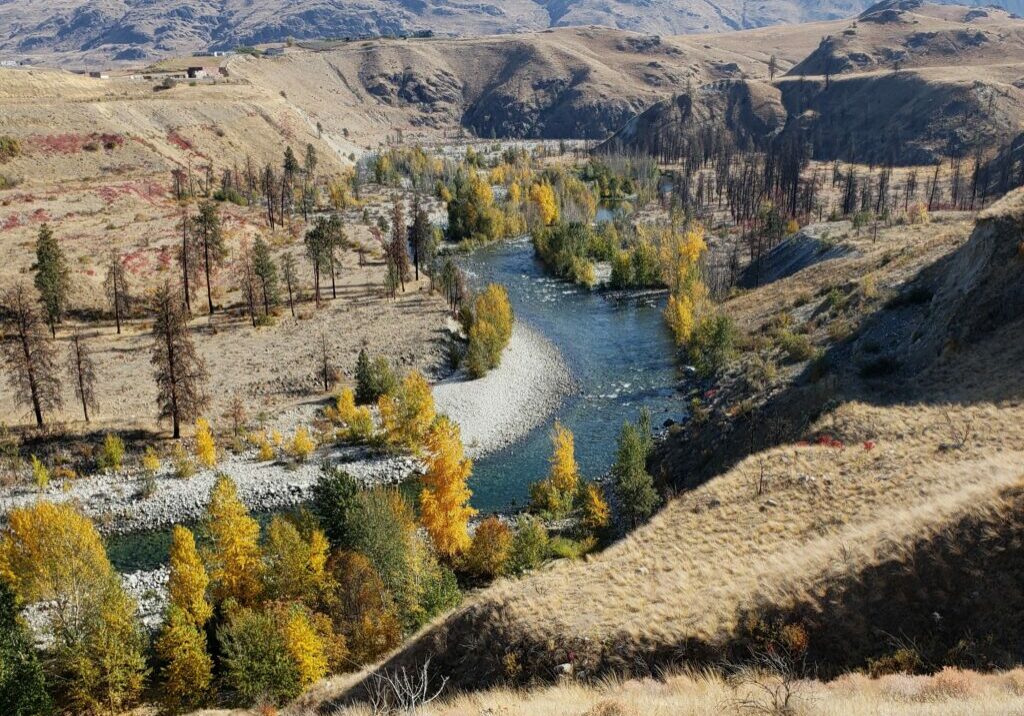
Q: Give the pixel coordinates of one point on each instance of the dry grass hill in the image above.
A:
(890, 518)
(930, 81)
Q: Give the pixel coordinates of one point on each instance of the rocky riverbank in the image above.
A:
(521, 393)
(122, 502)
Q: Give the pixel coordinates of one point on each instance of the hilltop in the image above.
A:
(95, 32)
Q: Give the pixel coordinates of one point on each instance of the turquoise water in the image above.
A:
(619, 352)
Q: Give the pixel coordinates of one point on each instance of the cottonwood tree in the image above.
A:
(52, 278)
(30, 356)
(265, 269)
(179, 371)
(116, 285)
(210, 238)
(82, 372)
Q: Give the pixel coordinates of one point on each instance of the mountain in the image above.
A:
(104, 31)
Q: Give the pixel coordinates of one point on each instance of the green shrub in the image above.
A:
(111, 457)
(796, 346)
(255, 660)
(566, 548)
(9, 148)
(529, 546)
(713, 344)
(374, 378)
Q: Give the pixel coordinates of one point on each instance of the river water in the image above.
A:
(618, 349)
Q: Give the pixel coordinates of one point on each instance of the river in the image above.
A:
(618, 349)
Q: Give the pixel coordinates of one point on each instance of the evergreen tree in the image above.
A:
(633, 485)
(30, 356)
(335, 505)
(22, 680)
(179, 371)
(210, 238)
(421, 234)
(52, 278)
(398, 249)
(266, 271)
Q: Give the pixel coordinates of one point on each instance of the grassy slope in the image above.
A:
(854, 542)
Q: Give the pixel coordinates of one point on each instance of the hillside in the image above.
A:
(891, 517)
(104, 31)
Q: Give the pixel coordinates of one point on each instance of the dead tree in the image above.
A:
(116, 285)
(82, 371)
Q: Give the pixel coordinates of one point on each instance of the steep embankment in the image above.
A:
(900, 523)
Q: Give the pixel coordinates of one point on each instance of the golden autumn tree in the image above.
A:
(235, 562)
(362, 609)
(304, 644)
(188, 580)
(596, 513)
(357, 420)
(491, 548)
(542, 194)
(555, 493)
(187, 669)
(409, 413)
(295, 566)
(206, 446)
(444, 501)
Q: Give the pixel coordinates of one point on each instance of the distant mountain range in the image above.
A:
(103, 31)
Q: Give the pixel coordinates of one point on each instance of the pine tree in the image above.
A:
(444, 501)
(421, 234)
(187, 259)
(188, 581)
(290, 279)
(335, 505)
(22, 679)
(266, 271)
(116, 285)
(633, 485)
(210, 238)
(316, 247)
(52, 279)
(180, 372)
(82, 372)
(398, 249)
(187, 669)
(30, 356)
(235, 559)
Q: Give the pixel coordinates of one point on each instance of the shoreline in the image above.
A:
(508, 403)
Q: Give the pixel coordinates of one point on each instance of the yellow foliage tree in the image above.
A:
(206, 446)
(188, 581)
(542, 194)
(408, 415)
(234, 562)
(679, 254)
(187, 669)
(304, 645)
(301, 446)
(444, 501)
(491, 548)
(357, 420)
(361, 608)
(294, 566)
(596, 514)
(555, 494)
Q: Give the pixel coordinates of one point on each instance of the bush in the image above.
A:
(9, 148)
(902, 661)
(255, 659)
(529, 546)
(409, 413)
(151, 461)
(374, 378)
(565, 548)
(301, 446)
(358, 421)
(796, 346)
(489, 553)
(184, 468)
(111, 457)
(713, 343)
(40, 473)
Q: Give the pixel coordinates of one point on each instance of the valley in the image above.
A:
(572, 369)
